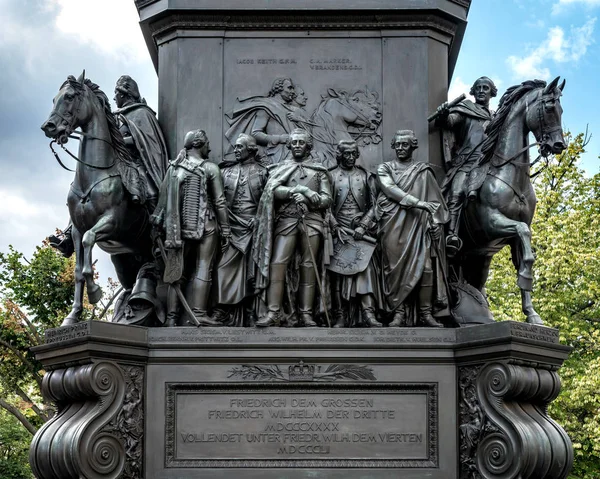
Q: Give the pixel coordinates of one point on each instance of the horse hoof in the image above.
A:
(535, 319)
(94, 294)
(69, 320)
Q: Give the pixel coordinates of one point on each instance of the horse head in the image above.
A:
(544, 119)
(359, 108)
(70, 109)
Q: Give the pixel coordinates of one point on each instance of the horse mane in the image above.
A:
(507, 101)
(116, 137)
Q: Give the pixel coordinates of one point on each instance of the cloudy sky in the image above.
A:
(43, 41)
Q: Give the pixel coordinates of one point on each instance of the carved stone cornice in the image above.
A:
(288, 21)
(144, 3)
(505, 430)
(462, 3)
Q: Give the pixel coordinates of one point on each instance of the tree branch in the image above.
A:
(23, 395)
(105, 310)
(24, 360)
(19, 415)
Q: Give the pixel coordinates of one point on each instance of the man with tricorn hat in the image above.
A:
(352, 218)
(291, 222)
(464, 132)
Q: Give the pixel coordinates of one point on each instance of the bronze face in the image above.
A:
(299, 146)
(349, 157)
(240, 150)
(403, 148)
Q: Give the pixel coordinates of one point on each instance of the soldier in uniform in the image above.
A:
(290, 221)
(244, 181)
(464, 126)
(192, 213)
(142, 134)
(354, 194)
(144, 140)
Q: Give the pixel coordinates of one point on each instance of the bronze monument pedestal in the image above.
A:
(299, 403)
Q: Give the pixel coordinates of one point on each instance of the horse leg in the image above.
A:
(522, 255)
(94, 234)
(526, 303)
(74, 315)
(476, 270)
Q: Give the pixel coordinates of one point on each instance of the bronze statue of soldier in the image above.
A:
(352, 217)
(145, 142)
(412, 213)
(464, 132)
(291, 221)
(142, 134)
(191, 215)
(244, 181)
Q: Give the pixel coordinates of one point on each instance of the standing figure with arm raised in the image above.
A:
(412, 214)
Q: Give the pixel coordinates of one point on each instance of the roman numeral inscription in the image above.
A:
(296, 425)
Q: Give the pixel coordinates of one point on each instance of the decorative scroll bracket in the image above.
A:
(505, 430)
(91, 436)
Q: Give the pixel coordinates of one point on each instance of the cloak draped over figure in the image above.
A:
(290, 226)
(233, 288)
(411, 212)
(148, 139)
(262, 110)
(463, 138)
(463, 128)
(142, 134)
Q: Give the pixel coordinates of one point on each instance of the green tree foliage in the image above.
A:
(14, 448)
(566, 238)
(35, 295)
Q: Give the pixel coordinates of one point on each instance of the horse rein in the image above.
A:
(76, 135)
(546, 131)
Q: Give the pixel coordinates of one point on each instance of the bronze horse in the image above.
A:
(502, 213)
(102, 209)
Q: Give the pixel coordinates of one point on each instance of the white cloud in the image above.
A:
(557, 47)
(559, 7)
(108, 25)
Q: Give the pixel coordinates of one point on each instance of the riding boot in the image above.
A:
(453, 242)
(275, 292)
(306, 296)
(198, 292)
(249, 312)
(173, 307)
(399, 317)
(425, 301)
(367, 306)
(339, 318)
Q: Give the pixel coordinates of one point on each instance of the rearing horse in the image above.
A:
(101, 207)
(503, 212)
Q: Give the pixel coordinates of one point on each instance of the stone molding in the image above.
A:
(287, 21)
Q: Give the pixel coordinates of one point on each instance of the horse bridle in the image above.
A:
(545, 134)
(75, 135)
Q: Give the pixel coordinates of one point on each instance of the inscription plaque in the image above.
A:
(299, 425)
